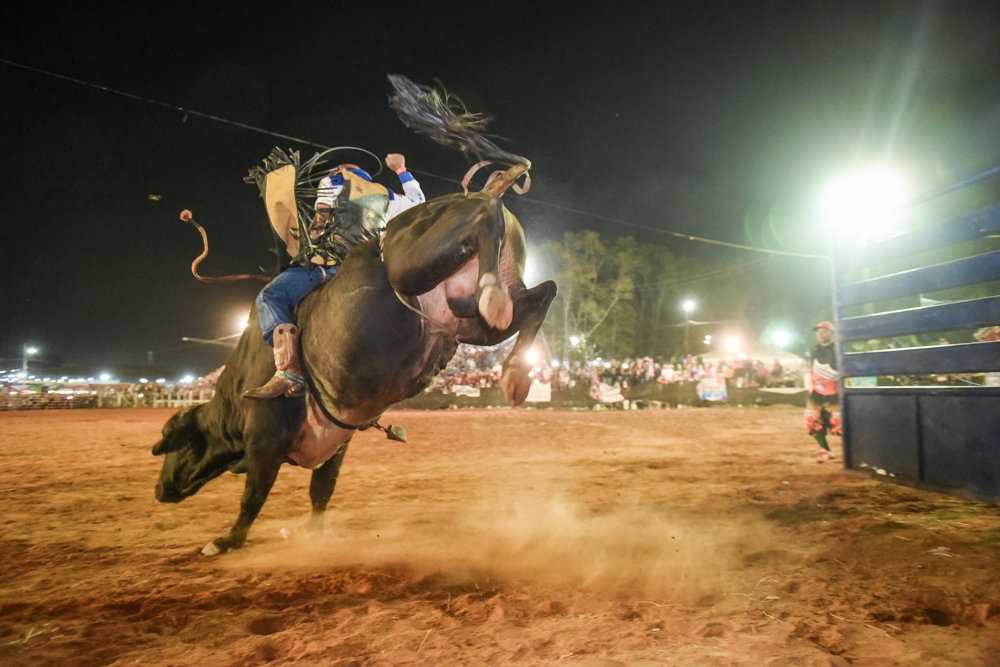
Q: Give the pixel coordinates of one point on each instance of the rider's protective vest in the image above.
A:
(359, 213)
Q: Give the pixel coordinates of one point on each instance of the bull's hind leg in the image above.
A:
(428, 244)
(324, 480)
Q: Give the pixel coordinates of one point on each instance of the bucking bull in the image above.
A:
(449, 271)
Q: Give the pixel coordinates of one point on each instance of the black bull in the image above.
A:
(365, 350)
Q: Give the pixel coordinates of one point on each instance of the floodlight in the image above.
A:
(688, 306)
(733, 344)
(243, 321)
(105, 377)
(863, 199)
(143, 380)
(555, 363)
(532, 356)
(574, 341)
(780, 338)
(31, 350)
(187, 379)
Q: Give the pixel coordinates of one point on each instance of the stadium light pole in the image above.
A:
(860, 203)
(688, 307)
(28, 351)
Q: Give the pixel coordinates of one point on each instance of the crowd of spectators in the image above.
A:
(475, 367)
(745, 372)
(480, 368)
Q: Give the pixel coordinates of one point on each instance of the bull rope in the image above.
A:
(188, 217)
(479, 165)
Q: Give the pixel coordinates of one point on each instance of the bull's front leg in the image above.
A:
(534, 304)
(530, 309)
(264, 459)
(324, 480)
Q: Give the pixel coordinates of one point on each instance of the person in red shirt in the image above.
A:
(823, 408)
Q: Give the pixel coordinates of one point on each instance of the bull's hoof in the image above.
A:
(496, 307)
(211, 549)
(515, 384)
(219, 546)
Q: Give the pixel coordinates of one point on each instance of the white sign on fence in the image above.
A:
(540, 392)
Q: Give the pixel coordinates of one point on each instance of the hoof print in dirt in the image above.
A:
(266, 625)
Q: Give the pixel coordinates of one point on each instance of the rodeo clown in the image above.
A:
(350, 208)
(823, 409)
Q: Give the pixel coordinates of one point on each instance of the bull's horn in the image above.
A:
(508, 178)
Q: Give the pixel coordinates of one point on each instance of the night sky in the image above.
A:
(720, 120)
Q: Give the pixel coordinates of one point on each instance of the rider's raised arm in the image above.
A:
(413, 194)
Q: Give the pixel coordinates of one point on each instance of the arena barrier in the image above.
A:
(943, 438)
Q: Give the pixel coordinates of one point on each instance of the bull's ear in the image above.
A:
(176, 432)
(179, 438)
(171, 443)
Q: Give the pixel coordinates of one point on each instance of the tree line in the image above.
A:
(620, 298)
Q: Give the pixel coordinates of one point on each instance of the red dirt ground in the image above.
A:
(680, 537)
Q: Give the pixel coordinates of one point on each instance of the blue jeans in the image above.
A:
(277, 301)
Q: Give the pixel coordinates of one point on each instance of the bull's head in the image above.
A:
(191, 461)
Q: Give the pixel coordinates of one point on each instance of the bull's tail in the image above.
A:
(188, 217)
(444, 118)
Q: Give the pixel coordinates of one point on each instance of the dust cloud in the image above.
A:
(634, 550)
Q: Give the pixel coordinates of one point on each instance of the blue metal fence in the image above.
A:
(945, 438)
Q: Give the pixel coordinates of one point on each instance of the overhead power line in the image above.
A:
(306, 142)
(681, 235)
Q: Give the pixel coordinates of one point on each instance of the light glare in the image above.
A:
(862, 199)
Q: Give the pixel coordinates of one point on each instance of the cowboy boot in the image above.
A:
(288, 379)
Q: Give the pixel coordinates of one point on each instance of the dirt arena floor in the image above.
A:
(508, 537)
